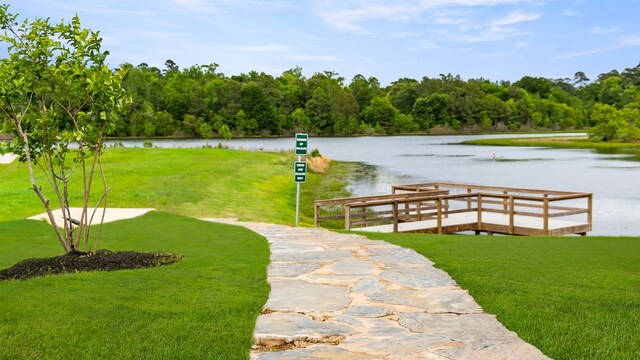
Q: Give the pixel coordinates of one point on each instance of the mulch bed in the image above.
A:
(102, 260)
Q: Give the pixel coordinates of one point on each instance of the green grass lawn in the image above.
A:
(206, 182)
(572, 297)
(203, 307)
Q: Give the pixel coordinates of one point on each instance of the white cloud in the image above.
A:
(350, 18)
(307, 57)
(404, 35)
(216, 6)
(196, 6)
(601, 30)
(279, 51)
(349, 15)
(427, 45)
(624, 43)
(492, 33)
(492, 55)
(515, 17)
(264, 48)
(571, 13)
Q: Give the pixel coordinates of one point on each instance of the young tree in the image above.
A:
(59, 100)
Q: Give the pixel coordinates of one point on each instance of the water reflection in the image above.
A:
(626, 154)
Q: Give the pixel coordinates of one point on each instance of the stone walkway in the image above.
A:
(342, 296)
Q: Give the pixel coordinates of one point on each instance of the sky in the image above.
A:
(498, 40)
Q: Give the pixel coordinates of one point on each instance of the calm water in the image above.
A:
(613, 179)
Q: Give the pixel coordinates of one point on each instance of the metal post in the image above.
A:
(297, 203)
(297, 198)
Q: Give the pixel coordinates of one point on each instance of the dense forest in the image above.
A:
(199, 101)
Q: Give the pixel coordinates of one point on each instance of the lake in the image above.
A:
(613, 179)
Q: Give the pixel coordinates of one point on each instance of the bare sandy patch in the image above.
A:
(112, 214)
(7, 158)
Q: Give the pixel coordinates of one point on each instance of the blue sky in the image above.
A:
(492, 39)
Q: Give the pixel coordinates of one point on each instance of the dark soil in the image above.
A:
(102, 260)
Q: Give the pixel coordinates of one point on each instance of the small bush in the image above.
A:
(315, 153)
(147, 144)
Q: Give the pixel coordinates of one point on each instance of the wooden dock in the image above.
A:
(445, 208)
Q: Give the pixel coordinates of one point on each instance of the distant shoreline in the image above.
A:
(567, 142)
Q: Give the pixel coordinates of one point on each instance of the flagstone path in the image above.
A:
(342, 296)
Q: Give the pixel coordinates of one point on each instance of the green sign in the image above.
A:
(300, 171)
(300, 167)
(301, 144)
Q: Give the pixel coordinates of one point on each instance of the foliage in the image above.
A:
(314, 153)
(613, 124)
(203, 307)
(57, 92)
(572, 297)
(225, 132)
(260, 104)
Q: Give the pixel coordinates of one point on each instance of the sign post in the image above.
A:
(300, 168)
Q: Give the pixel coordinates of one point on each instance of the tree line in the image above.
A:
(199, 101)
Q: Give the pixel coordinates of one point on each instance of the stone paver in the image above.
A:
(342, 296)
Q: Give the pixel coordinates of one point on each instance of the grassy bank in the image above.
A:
(572, 297)
(567, 142)
(193, 182)
(203, 307)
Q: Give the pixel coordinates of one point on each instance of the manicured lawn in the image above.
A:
(572, 297)
(254, 186)
(203, 307)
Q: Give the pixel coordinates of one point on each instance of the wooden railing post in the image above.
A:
(364, 215)
(446, 208)
(394, 212)
(511, 215)
(546, 215)
(316, 214)
(590, 211)
(469, 199)
(439, 206)
(479, 212)
(347, 217)
(504, 201)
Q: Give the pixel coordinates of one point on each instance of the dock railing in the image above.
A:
(369, 207)
(447, 208)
